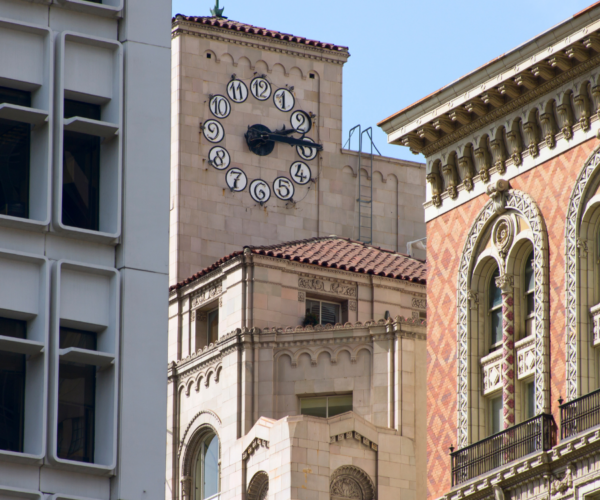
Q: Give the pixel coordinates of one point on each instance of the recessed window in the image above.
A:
(321, 312)
(208, 55)
(207, 468)
(15, 143)
(529, 406)
(12, 389)
(76, 399)
(81, 170)
(326, 406)
(311, 76)
(529, 289)
(212, 326)
(496, 414)
(495, 313)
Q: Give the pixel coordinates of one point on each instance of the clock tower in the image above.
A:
(257, 154)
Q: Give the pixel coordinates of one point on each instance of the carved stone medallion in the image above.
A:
(258, 489)
(351, 482)
(503, 235)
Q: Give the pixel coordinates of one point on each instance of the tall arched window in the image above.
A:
(495, 313)
(206, 479)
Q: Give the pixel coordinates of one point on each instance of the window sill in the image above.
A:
(20, 346)
(86, 234)
(114, 11)
(23, 114)
(91, 127)
(86, 357)
(81, 467)
(20, 458)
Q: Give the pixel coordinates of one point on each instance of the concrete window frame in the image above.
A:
(26, 296)
(39, 80)
(87, 297)
(109, 8)
(106, 90)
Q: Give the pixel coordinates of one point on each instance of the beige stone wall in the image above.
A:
(207, 220)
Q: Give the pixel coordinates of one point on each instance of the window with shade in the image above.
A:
(326, 406)
(529, 296)
(495, 313)
(326, 313)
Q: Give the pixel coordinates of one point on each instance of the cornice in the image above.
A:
(258, 42)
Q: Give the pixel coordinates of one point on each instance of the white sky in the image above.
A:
(402, 50)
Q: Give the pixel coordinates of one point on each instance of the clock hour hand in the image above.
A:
(261, 140)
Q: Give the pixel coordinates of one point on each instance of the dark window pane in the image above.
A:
(529, 276)
(530, 403)
(495, 292)
(530, 304)
(316, 407)
(330, 313)
(213, 326)
(81, 180)
(76, 407)
(13, 328)
(339, 404)
(12, 400)
(69, 337)
(13, 96)
(496, 416)
(313, 307)
(15, 139)
(83, 109)
(496, 324)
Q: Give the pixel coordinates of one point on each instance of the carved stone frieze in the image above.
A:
(491, 366)
(253, 446)
(595, 314)
(334, 287)
(525, 357)
(351, 482)
(356, 436)
(206, 294)
(419, 303)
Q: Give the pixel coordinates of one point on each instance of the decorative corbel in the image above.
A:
(499, 153)
(526, 80)
(496, 192)
(493, 98)
(578, 52)
(515, 144)
(444, 124)
(428, 132)
(466, 169)
(549, 129)
(505, 282)
(484, 163)
(596, 99)
(477, 106)
(449, 171)
(435, 181)
(562, 485)
(510, 88)
(461, 116)
(583, 247)
(560, 61)
(473, 299)
(413, 142)
(543, 70)
(592, 42)
(565, 116)
(582, 107)
(532, 135)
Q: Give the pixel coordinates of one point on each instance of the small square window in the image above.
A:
(322, 313)
(326, 406)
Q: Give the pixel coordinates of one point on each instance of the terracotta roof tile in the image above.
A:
(335, 253)
(255, 30)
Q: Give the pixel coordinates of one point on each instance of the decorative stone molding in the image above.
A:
(491, 366)
(253, 446)
(198, 415)
(356, 436)
(497, 193)
(503, 235)
(437, 187)
(301, 296)
(258, 489)
(575, 210)
(206, 294)
(595, 314)
(528, 209)
(506, 283)
(349, 481)
(419, 303)
(326, 286)
(352, 305)
(525, 357)
(560, 486)
(473, 298)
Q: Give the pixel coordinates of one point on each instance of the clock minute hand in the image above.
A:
(293, 141)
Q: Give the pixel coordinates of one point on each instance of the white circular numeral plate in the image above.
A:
(284, 100)
(260, 191)
(300, 122)
(236, 179)
(300, 173)
(283, 188)
(306, 152)
(219, 158)
(260, 88)
(237, 91)
(219, 106)
(213, 131)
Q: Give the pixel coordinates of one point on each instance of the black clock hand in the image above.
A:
(257, 136)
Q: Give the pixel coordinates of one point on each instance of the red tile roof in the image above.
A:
(334, 253)
(255, 30)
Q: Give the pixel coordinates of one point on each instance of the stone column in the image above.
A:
(505, 283)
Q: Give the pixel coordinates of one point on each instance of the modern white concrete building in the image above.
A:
(84, 186)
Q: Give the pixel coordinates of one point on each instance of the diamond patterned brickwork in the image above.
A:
(550, 186)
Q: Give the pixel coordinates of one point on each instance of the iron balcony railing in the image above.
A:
(579, 414)
(535, 434)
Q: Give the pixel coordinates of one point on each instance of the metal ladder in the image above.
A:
(365, 187)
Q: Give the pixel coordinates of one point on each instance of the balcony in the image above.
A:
(579, 414)
(533, 435)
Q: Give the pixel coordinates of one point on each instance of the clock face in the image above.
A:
(250, 97)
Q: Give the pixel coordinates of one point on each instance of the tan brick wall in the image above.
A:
(550, 185)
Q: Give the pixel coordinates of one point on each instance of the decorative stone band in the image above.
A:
(525, 357)
(595, 314)
(354, 435)
(508, 357)
(253, 446)
(491, 366)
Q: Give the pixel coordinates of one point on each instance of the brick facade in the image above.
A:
(550, 185)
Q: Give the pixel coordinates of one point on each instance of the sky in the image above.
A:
(400, 50)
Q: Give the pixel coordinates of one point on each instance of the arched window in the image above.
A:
(495, 313)
(529, 296)
(206, 481)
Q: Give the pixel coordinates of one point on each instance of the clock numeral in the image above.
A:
(260, 88)
(306, 152)
(237, 91)
(301, 122)
(284, 189)
(213, 131)
(219, 158)
(284, 100)
(260, 191)
(219, 106)
(300, 173)
(236, 179)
